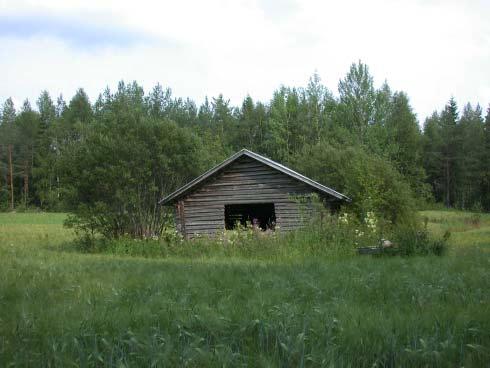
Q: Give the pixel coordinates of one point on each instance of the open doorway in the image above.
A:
(262, 215)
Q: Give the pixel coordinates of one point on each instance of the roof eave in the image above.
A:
(181, 191)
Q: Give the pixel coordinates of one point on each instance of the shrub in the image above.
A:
(114, 187)
(326, 236)
(333, 236)
(411, 240)
(372, 182)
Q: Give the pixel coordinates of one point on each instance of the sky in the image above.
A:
(431, 49)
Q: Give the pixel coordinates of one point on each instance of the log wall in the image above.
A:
(244, 181)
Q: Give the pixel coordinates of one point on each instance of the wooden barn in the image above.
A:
(245, 187)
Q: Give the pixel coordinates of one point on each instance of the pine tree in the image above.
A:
(159, 101)
(433, 159)
(7, 135)
(222, 118)
(47, 112)
(79, 109)
(8, 112)
(205, 114)
(28, 124)
(247, 127)
(60, 106)
(471, 154)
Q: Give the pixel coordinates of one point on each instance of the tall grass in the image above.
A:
(64, 308)
(330, 237)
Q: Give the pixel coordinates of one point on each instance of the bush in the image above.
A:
(326, 236)
(114, 187)
(372, 182)
(332, 237)
(410, 240)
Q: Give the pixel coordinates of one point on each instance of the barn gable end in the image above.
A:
(245, 183)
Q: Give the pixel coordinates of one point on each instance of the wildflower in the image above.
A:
(371, 221)
(344, 218)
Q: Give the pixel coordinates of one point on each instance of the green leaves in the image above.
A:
(122, 165)
(372, 182)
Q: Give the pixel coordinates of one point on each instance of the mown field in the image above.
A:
(60, 307)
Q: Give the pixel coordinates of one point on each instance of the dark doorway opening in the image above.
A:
(262, 215)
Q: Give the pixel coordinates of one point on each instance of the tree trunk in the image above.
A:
(448, 197)
(26, 182)
(11, 174)
(1, 151)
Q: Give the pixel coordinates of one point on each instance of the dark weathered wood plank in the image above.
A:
(202, 228)
(245, 198)
(245, 181)
(248, 181)
(207, 212)
(283, 188)
(234, 193)
(250, 175)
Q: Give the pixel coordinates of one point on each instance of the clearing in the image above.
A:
(59, 307)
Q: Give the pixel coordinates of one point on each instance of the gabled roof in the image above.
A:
(244, 152)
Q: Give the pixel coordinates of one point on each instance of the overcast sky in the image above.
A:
(432, 49)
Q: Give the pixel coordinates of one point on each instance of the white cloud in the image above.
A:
(430, 49)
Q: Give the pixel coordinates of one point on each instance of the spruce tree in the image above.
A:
(450, 151)
(471, 154)
(433, 158)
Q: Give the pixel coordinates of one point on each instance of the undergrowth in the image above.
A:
(331, 237)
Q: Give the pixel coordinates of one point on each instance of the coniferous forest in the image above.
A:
(125, 150)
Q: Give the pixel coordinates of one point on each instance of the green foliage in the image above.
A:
(456, 156)
(245, 242)
(447, 162)
(358, 96)
(119, 194)
(372, 182)
(326, 237)
(411, 241)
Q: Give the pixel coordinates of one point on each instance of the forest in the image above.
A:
(127, 289)
(111, 159)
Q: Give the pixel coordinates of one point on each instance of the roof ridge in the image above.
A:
(267, 161)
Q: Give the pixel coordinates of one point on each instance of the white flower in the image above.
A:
(344, 218)
(371, 221)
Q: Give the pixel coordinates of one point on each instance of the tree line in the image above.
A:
(134, 147)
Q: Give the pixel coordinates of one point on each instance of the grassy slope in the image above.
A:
(58, 306)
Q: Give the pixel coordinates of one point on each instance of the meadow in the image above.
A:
(61, 307)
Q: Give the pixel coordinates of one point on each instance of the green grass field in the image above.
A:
(60, 308)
